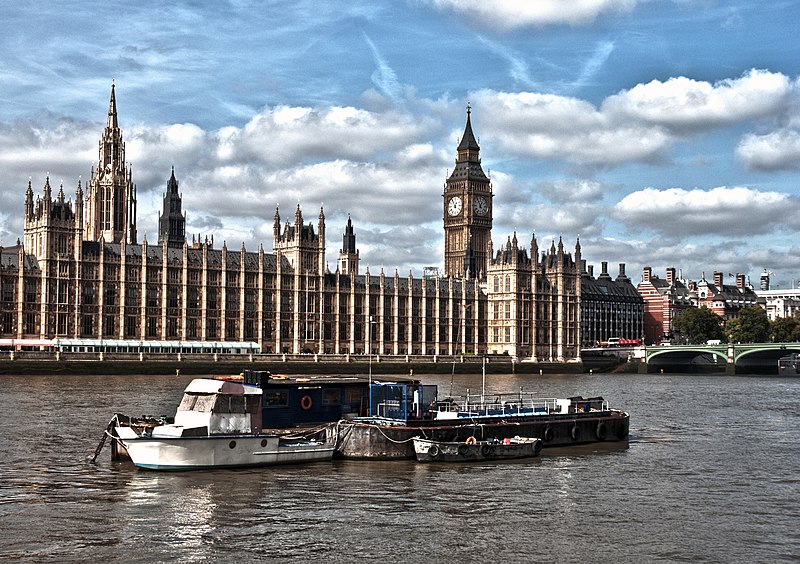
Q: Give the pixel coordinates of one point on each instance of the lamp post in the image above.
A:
(369, 350)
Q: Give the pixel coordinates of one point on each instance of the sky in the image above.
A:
(661, 133)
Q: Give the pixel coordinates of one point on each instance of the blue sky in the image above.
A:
(660, 132)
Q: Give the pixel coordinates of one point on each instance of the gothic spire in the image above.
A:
(112, 109)
(468, 141)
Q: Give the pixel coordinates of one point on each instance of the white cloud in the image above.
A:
(684, 104)
(548, 126)
(512, 14)
(779, 150)
(722, 211)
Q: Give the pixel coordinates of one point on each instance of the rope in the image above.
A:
(106, 434)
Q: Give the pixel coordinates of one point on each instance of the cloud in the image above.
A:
(513, 14)
(721, 212)
(779, 150)
(685, 105)
(548, 126)
(384, 77)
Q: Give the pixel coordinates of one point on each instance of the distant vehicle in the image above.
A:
(619, 342)
(714, 342)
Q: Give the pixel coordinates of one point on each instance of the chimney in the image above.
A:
(622, 277)
(591, 270)
(740, 281)
(646, 273)
(718, 280)
(671, 275)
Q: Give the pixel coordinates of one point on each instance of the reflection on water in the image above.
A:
(709, 473)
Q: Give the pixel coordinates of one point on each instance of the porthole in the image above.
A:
(232, 444)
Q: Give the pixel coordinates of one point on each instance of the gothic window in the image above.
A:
(496, 283)
(508, 283)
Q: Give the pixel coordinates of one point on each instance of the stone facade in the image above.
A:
(81, 273)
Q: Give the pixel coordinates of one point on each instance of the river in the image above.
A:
(711, 473)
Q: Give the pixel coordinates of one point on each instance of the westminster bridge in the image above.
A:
(732, 358)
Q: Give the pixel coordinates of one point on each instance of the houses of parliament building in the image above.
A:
(81, 272)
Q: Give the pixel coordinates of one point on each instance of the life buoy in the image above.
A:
(601, 431)
(575, 433)
(434, 451)
(548, 434)
(471, 440)
(306, 402)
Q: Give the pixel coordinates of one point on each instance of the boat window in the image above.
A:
(223, 404)
(205, 402)
(353, 396)
(187, 403)
(331, 396)
(276, 398)
(237, 404)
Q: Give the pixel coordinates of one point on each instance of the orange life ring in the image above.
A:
(306, 402)
(471, 440)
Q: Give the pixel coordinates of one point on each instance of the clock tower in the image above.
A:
(467, 211)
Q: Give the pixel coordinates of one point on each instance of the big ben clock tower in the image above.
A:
(467, 211)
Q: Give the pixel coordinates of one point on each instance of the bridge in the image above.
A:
(758, 357)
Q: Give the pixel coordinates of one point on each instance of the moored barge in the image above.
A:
(402, 413)
(379, 417)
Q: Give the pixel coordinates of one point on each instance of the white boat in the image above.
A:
(471, 450)
(217, 425)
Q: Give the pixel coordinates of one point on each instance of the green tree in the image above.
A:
(752, 326)
(785, 330)
(698, 325)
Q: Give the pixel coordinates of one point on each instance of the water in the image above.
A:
(710, 474)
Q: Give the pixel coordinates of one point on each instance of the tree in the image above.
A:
(785, 330)
(698, 325)
(752, 326)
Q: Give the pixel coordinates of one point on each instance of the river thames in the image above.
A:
(711, 473)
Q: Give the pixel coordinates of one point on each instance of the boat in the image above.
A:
(403, 413)
(789, 365)
(218, 424)
(472, 450)
(378, 417)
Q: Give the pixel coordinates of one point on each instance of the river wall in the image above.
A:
(120, 364)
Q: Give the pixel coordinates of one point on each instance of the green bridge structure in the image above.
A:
(733, 358)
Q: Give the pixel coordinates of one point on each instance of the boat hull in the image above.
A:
(225, 451)
(435, 451)
(358, 439)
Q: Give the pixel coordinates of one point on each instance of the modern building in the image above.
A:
(80, 272)
(778, 302)
(610, 307)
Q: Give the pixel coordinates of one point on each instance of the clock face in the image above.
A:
(454, 206)
(481, 206)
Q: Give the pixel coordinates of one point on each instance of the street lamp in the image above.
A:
(369, 350)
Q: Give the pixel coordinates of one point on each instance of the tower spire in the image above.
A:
(112, 109)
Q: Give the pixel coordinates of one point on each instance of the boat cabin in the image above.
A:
(216, 407)
(290, 401)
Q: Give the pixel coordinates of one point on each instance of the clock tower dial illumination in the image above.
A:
(454, 207)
